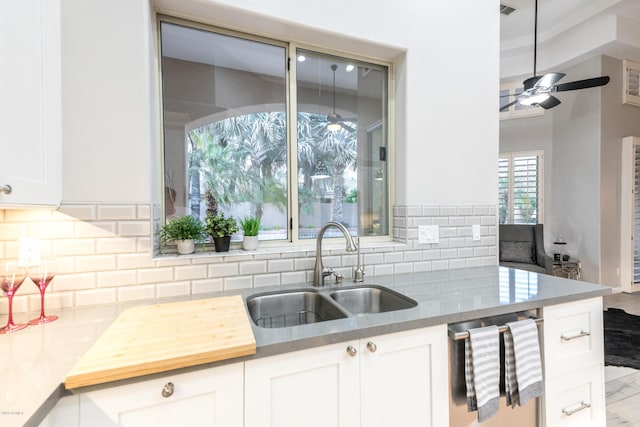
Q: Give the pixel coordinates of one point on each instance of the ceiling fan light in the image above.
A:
(334, 127)
(534, 99)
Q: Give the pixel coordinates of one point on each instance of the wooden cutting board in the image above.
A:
(150, 339)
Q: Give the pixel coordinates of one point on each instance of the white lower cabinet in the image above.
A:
(574, 364)
(208, 397)
(394, 379)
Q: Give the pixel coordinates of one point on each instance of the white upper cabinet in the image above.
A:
(30, 104)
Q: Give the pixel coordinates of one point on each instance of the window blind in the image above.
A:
(519, 188)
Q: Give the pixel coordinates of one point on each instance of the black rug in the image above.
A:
(621, 338)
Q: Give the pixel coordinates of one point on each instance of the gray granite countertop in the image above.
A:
(36, 360)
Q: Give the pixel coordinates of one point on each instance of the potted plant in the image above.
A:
(220, 228)
(185, 231)
(251, 227)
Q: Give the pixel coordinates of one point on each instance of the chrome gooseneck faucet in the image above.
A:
(318, 271)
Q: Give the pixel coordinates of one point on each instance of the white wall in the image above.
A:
(448, 76)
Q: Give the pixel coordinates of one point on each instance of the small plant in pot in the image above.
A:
(251, 227)
(220, 228)
(185, 231)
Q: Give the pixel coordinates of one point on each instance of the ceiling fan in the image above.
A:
(335, 122)
(538, 89)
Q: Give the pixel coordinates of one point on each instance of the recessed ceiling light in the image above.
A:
(301, 58)
(350, 67)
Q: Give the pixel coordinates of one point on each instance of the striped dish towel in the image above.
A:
(482, 371)
(522, 366)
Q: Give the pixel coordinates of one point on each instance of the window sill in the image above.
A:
(284, 251)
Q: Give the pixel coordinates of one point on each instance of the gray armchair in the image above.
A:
(522, 246)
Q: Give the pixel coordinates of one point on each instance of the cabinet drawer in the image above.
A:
(573, 337)
(576, 399)
(208, 397)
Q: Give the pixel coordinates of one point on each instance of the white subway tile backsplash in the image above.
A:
(115, 245)
(107, 279)
(403, 268)
(95, 297)
(253, 267)
(64, 247)
(143, 212)
(173, 289)
(266, 280)
(370, 259)
(117, 212)
(95, 263)
(105, 253)
(134, 228)
(190, 272)
(240, 282)
(414, 210)
(223, 270)
(136, 293)
(293, 277)
(137, 260)
(393, 257)
(280, 265)
(155, 275)
(381, 270)
(95, 229)
(440, 265)
(72, 282)
(206, 286)
(13, 231)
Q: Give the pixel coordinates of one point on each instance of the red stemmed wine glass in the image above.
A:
(42, 274)
(12, 276)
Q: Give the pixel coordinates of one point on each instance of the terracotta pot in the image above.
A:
(187, 246)
(250, 243)
(222, 243)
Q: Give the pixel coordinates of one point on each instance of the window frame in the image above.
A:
(510, 156)
(290, 47)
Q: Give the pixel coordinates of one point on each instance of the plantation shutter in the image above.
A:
(519, 188)
(636, 215)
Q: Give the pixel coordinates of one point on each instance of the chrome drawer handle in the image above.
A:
(167, 390)
(372, 346)
(581, 334)
(352, 351)
(583, 405)
(6, 189)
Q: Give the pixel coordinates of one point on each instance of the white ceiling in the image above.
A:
(569, 32)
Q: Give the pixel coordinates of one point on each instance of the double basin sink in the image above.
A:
(310, 305)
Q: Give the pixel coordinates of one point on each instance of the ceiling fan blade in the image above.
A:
(506, 107)
(549, 79)
(346, 127)
(582, 84)
(550, 102)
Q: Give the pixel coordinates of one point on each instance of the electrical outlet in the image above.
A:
(476, 231)
(29, 252)
(428, 234)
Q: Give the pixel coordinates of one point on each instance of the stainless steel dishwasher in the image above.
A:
(521, 416)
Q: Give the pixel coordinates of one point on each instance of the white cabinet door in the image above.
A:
(404, 379)
(387, 380)
(317, 387)
(209, 397)
(30, 104)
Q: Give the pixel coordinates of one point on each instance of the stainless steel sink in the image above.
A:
(291, 308)
(370, 299)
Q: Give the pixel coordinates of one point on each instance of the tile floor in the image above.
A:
(623, 384)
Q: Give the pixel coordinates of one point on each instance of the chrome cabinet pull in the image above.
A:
(372, 347)
(352, 351)
(167, 390)
(581, 334)
(583, 405)
(6, 189)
